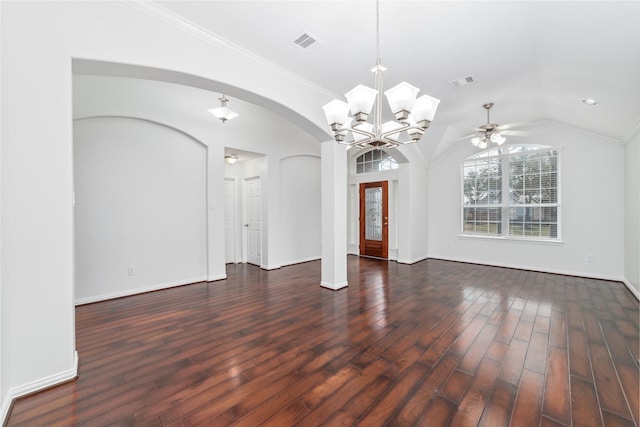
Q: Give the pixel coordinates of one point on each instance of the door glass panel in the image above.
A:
(373, 213)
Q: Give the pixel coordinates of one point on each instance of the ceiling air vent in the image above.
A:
(307, 42)
(462, 81)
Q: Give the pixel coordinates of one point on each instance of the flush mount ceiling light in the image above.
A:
(222, 112)
(412, 115)
(590, 101)
(231, 158)
(492, 132)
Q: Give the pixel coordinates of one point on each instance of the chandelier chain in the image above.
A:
(378, 61)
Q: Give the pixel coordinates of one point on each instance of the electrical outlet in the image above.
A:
(132, 270)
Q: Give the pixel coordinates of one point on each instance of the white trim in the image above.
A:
(635, 130)
(151, 288)
(412, 261)
(300, 261)
(270, 267)
(36, 386)
(633, 290)
(214, 278)
(511, 239)
(534, 269)
(334, 286)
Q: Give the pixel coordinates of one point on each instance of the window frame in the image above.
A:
(505, 154)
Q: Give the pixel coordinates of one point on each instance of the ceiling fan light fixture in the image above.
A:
(482, 144)
(476, 140)
(496, 138)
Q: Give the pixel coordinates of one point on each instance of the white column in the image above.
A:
(334, 215)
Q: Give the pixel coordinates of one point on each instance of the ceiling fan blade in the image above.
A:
(512, 125)
(464, 137)
(515, 133)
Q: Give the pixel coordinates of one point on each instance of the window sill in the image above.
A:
(511, 239)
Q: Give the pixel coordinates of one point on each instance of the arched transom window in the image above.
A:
(375, 161)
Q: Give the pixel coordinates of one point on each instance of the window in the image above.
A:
(512, 192)
(375, 161)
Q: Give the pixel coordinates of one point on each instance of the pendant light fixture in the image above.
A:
(222, 112)
(411, 115)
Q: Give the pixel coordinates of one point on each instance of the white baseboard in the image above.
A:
(36, 386)
(633, 290)
(532, 268)
(216, 278)
(270, 267)
(334, 286)
(412, 261)
(129, 292)
(300, 261)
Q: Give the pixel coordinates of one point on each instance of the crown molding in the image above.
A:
(632, 133)
(178, 22)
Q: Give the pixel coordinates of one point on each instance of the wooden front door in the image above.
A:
(374, 219)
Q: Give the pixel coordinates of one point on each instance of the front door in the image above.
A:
(374, 219)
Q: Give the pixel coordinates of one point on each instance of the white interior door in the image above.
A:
(253, 224)
(229, 220)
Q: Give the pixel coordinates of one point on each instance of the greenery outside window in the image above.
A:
(375, 161)
(512, 192)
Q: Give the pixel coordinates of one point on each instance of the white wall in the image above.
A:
(140, 192)
(632, 213)
(300, 209)
(592, 210)
(39, 40)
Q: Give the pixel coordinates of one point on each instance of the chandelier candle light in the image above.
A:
(412, 115)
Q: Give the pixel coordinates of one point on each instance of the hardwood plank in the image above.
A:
(556, 390)
(584, 403)
(385, 408)
(498, 410)
(527, 408)
(455, 386)
(426, 390)
(579, 354)
(536, 359)
(608, 387)
(474, 400)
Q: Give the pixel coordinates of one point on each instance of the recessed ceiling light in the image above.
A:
(590, 101)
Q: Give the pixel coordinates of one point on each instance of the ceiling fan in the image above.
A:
(493, 132)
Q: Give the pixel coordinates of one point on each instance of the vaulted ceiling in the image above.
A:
(535, 60)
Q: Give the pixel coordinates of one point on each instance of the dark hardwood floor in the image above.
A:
(430, 344)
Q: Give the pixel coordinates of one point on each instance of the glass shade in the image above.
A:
(223, 113)
(402, 97)
(361, 99)
(425, 108)
(497, 138)
(476, 141)
(336, 112)
(391, 126)
(483, 144)
(366, 127)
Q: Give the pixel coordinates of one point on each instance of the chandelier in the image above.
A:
(223, 112)
(411, 115)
